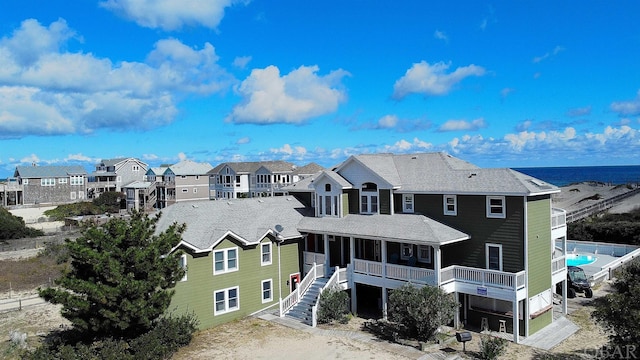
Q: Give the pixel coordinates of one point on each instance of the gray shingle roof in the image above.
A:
(208, 222)
(310, 168)
(442, 173)
(409, 228)
(253, 166)
(188, 167)
(49, 171)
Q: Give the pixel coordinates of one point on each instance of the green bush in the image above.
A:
(167, 336)
(13, 227)
(492, 347)
(421, 310)
(60, 212)
(333, 306)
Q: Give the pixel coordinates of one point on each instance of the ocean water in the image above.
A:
(563, 176)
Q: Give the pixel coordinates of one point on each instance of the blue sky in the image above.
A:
(499, 84)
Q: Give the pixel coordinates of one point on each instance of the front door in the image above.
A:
(294, 281)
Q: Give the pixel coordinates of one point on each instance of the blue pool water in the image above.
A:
(577, 260)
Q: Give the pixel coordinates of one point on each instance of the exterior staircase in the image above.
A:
(302, 311)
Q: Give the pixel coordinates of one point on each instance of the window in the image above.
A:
(327, 187)
(267, 294)
(265, 251)
(62, 180)
(407, 203)
(73, 195)
(494, 256)
(183, 265)
(77, 180)
(450, 205)
(25, 181)
(424, 253)
(406, 251)
(226, 300)
(495, 207)
(237, 180)
(47, 182)
(118, 179)
(225, 261)
(195, 190)
(80, 194)
(197, 177)
(185, 190)
(135, 168)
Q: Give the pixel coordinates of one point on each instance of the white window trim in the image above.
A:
(227, 309)
(225, 261)
(62, 180)
(408, 199)
(501, 215)
(183, 263)
(405, 255)
(426, 259)
(262, 262)
(270, 299)
(73, 195)
(500, 257)
(446, 210)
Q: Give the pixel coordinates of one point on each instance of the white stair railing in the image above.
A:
(288, 302)
(333, 281)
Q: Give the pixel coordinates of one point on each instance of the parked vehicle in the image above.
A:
(577, 282)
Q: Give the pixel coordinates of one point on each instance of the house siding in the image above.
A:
(196, 294)
(539, 254)
(472, 219)
(34, 193)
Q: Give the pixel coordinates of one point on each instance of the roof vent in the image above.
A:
(414, 157)
(229, 203)
(472, 175)
(194, 206)
(260, 200)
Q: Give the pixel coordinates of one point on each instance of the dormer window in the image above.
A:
(369, 198)
(327, 187)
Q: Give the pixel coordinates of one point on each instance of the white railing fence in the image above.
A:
(483, 277)
(558, 264)
(288, 302)
(333, 282)
(558, 218)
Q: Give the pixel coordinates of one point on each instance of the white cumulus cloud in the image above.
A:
(627, 108)
(294, 98)
(424, 78)
(48, 91)
(463, 125)
(171, 14)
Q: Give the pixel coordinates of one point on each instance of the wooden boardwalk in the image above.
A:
(552, 335)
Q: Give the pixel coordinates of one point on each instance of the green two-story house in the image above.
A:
(241, 257)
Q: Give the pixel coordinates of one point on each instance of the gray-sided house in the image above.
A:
(50, 184)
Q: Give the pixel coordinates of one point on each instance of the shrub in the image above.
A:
(13, 227)
(422, 310)
(163, 340)
(333, 306)
(492, 347)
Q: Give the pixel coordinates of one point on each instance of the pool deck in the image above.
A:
(602, 262)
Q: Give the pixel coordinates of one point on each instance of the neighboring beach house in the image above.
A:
(114, 174)
(232, 180)
(49, 184)
(155, 175)
(185, 181)
(140, 196)
(373, 224)
(241, 256)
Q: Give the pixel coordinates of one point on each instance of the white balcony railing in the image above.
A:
(484, 277)
(558, 218)
(313, 258)
(412, 274)
(558, 264)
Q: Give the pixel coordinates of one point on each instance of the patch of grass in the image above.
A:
(29, 274)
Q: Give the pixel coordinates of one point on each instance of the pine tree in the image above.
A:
(120, 278)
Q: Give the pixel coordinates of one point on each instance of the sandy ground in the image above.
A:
(573, 197)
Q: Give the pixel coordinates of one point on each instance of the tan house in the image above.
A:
(185, 181)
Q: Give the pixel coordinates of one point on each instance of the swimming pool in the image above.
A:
(577, 259)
